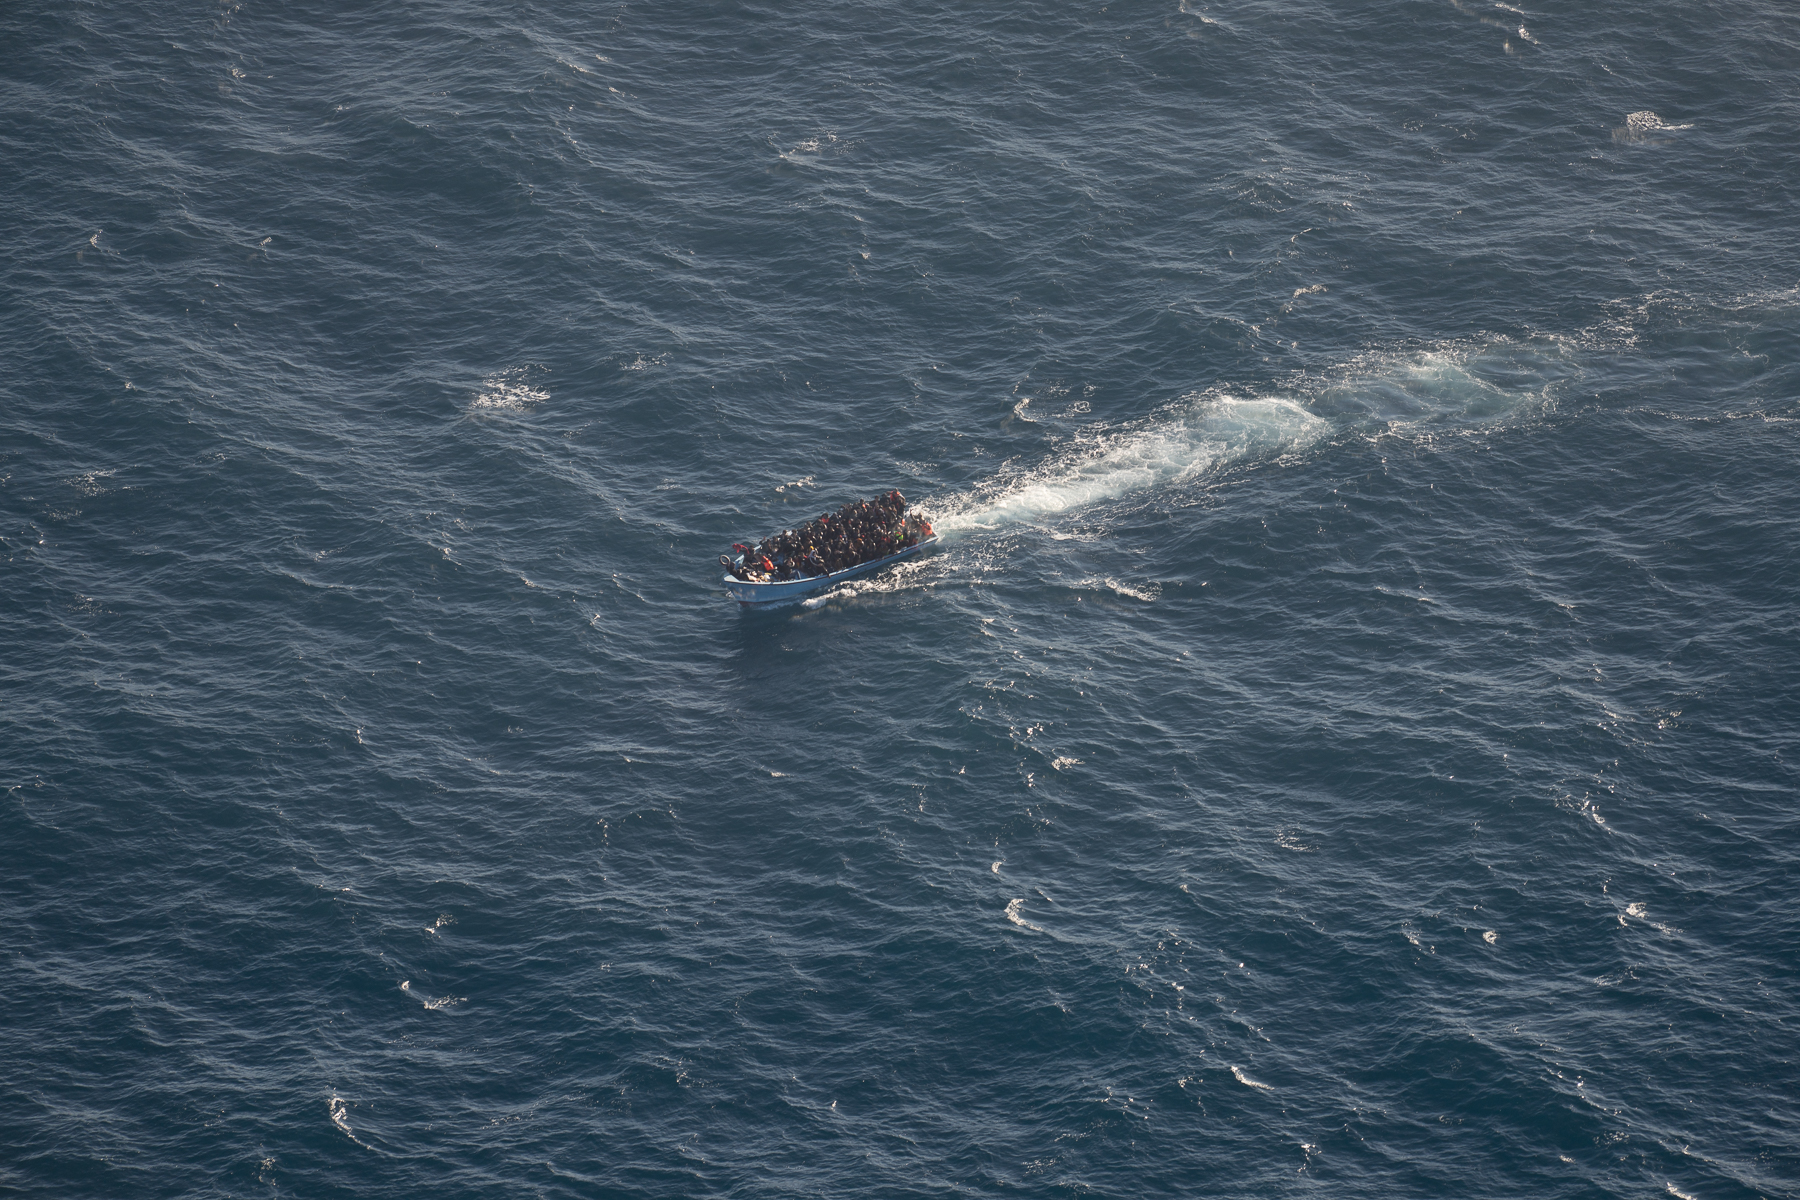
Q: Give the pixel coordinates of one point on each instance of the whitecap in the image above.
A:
(340, 1117)
(1238, 1074)
(432, 1005)
(1641, 126)
(1146, 592)
(509, 390)
(1293, 839)
(807, 150)
(91, 483)
(1012, 914)
(1646, 121)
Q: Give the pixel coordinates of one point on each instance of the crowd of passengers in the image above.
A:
(859, 532)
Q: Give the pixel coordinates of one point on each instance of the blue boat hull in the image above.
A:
(792, 589)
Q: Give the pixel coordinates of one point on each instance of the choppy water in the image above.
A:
(1344, 747)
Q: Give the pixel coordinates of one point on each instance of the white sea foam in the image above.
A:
(91, 484)
(340, 1117)
(1420, 391)
(1238, 1074)
(1146, 592)
(807, 150)
(1647, 121)
(510, 390)
(892, 579)
(1677, 1192)
(1187, 9)
(1293, 839)
(1198, 435)
(1012, 914)
(431, 1005)
(1640, 126)
(1490, 937)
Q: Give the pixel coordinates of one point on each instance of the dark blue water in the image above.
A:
(1345, 746)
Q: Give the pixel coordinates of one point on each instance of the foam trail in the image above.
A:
(442, 1002)
(1207, 433)
(1449, 385)
(1012, 914)
(1417, 391)
(340, 1118)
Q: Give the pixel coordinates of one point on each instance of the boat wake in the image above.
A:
(1418, 392)
(1198, 436)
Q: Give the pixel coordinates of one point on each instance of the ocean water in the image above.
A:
(1344, 746)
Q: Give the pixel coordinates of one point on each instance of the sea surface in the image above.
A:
(1345, 745)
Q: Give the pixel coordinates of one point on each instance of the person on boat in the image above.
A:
(858, 532)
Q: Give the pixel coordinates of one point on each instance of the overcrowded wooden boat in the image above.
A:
(861, 537)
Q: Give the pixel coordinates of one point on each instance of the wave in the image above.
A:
(438, 1004)
(340, 1117)
(510, 390)
(1012, 914)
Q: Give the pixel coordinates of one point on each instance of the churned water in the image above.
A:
(1344, 746)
